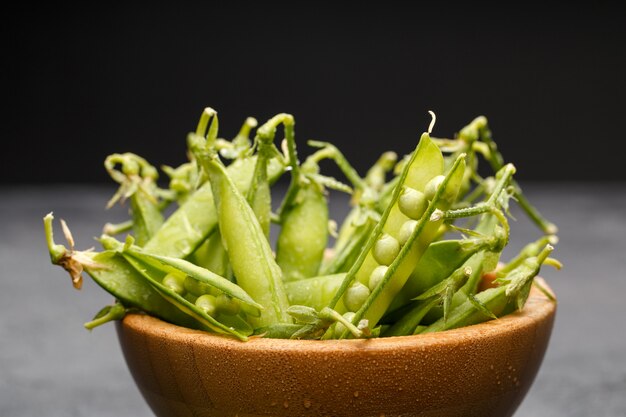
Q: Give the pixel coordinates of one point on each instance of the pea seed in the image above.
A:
(196, 287)
(355, 296)
(386, 249)
(175, 283)
(412, 203)
(376, 276)
(227, 305)
(208, 303)
(406, 230)
(432, 187)
(339, 327)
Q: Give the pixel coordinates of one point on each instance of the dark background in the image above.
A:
(81, 83)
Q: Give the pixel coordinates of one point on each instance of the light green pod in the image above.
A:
(304, 235)
(315, 292)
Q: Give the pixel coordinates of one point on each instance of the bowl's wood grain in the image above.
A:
(483, 370)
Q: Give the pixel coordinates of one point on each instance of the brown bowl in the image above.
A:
(482, 370)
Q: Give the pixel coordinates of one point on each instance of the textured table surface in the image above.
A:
(51, 366)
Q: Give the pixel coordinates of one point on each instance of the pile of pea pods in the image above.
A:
(410, 257)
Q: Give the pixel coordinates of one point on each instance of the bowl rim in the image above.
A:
(538, 308)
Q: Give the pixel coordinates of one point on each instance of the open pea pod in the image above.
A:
(169, 264)
(153, 276)
(249, 251)
(407, 227)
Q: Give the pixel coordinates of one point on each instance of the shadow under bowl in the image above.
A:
(482, 370)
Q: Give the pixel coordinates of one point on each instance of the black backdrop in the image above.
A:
(81, 83)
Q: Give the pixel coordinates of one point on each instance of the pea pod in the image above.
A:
(153, 276)
(111, 272)
(303, 235)
(500, 300)
(259, 195)
(249, 251)
(212, 255)
(403, 264)
(439, 261)
(425, 165)
(168, 264)
(315, 292)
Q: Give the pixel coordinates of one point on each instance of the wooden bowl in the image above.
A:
(482, 370)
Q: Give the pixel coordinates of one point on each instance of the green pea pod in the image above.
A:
(439, 261)
(168, 264)
(494, 299)
(477, 264)
(111, 272)
(192, 222)
(315, 292)
(152, 276)
(249, 251)
(499, 301)
(348, 230)
(420, 173)
(407, 324)
(428, 161)
(147, 217)
(278, 330)
(303, 235)
(441, 292)
(259, 195)
(212, 255)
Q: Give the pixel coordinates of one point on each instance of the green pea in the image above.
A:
(377, 275)
(406, 231)
(175, 283)
(196, 287)
(432, 187)
(412, 203)
(207, 303)
(355, 296)
(339, 327)
(227, 305)
(386, 249)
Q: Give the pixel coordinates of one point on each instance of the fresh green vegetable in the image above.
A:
(407, 259)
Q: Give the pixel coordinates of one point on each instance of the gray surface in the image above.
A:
(50, 366)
